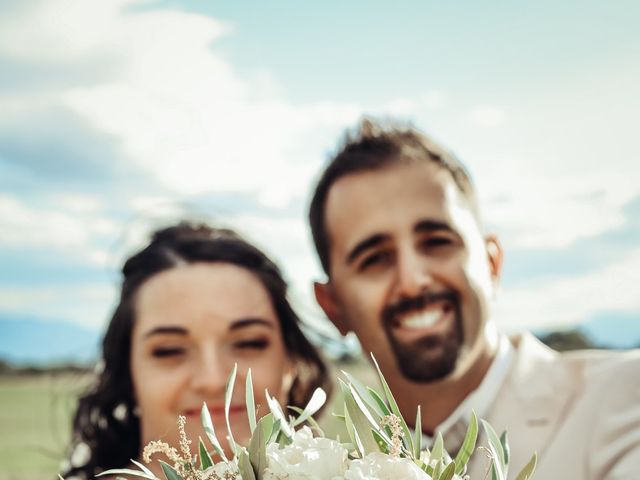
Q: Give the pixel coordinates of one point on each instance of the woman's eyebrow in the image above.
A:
(166, 330)
(247, 322)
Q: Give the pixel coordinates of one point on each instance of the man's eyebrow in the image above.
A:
(247, 322)
(166, 330)
(365, 244)
(431, 225)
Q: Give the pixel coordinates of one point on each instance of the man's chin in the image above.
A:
(422, 370)
(430, 360)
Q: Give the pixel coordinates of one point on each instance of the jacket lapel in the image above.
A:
(531, 403)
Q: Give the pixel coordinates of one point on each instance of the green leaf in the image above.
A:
(316, 402)
(394, 406)
(437, 469)
(205, 458)
(447, 473)
(437, 451)
(258, 445)
(417, 442)
(143, 468)
(127, 471)
(505, 447)
(495, 446)
(314, 425)
(275, 430)
(383, 445)
(169, 471)
(375, 396)
(276, 410)
(244, 465)
(365, 411)
(468, 445)
(251, 404)
(348, 423)
(527, 472)
(228, 393)
(364, 394)
(361, 424)
(207, 424)
(353, 434)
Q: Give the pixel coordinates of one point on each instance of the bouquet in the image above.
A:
(293, 447)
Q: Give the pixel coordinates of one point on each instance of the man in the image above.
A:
(396, 225)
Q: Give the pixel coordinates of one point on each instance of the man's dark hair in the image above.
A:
(374, 146)
(115, 439)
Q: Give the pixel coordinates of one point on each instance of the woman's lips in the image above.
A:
(215, 411)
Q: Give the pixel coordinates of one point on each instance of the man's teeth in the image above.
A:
(421, 320)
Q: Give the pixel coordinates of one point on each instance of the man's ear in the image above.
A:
(495, 256)
(325, 296)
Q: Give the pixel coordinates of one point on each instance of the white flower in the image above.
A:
(307, 458)
(380, 466)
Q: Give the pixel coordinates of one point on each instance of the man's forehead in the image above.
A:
(386, 200)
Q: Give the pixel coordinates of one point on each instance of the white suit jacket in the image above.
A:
(580, 411)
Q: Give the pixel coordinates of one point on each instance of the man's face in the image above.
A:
(411, 273)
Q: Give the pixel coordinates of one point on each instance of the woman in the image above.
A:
(194, 302)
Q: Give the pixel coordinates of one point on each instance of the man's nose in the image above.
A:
(210, 372)
(414, 275)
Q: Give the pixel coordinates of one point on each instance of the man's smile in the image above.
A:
(432, 319)
(426, 318)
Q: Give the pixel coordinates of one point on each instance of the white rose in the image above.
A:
(307, 458)
(380, 466)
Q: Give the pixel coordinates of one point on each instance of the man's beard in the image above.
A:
(432, 357)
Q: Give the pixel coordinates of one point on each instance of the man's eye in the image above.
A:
(256, 344)
(436, 242)
(377, 258)
(164, 352)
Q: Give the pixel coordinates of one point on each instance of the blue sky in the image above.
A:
(120, 115)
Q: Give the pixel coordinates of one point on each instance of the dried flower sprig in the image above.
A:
(393, 422)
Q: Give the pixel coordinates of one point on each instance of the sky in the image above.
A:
(122, 115)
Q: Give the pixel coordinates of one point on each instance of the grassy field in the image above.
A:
(35, 413)
(35, 420)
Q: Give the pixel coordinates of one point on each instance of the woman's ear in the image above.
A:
(326, 298)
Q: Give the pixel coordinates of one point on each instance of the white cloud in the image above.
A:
(564, 302)
(85, 304)
(77, 203)
(179, 110)
(434, 99)
(554, 211)
(487, 116)
(187, 117)
(71, 232)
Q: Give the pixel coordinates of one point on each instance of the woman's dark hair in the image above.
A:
(104, 421)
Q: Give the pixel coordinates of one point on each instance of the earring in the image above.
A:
(120, 412)
(136, 411)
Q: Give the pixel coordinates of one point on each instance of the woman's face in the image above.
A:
(192, 324)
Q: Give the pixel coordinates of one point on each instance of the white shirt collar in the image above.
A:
(481, 398)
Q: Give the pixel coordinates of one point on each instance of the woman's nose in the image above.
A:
(210, 373)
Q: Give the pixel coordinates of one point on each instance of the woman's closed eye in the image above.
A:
(167, 352)
(252, 344)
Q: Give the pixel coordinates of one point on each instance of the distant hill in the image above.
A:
(613, 330)
(27, 340)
